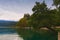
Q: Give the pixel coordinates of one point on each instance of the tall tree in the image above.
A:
(42, 16)
(56, 3)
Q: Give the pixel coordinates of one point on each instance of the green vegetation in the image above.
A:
(29, 27)
(58, 29)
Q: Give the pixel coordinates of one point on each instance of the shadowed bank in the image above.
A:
(28, 34)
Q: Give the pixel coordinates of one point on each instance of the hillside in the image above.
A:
(7, 23)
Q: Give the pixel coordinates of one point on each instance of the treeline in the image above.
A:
(6, 23)
(42, 16)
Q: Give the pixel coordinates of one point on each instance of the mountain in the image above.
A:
(7, 23)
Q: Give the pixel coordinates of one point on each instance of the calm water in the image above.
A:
(9, 34)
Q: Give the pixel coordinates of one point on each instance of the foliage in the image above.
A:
(56, 2)
(42, 17)
(23, 21)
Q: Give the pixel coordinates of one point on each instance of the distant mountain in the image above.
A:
(7, 23)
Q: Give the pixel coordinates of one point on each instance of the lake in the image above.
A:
(9, 34)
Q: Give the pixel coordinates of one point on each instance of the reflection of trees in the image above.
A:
(29, 34)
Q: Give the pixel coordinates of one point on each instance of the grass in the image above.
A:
(29, 34)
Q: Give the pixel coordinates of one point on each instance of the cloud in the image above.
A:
(8, 15)
(15, 9)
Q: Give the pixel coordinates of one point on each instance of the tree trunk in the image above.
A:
(51, 29)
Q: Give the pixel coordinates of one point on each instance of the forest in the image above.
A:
(30, 27)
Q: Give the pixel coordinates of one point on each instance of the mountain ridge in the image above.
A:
(7, 23)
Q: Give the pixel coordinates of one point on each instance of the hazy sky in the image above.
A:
(15, 9)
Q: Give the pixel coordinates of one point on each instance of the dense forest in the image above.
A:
(42, 16)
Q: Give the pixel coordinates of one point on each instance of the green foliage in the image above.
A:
(27, 16)
(39, 7)
(23, 21)
(42, 17)
(39, 14)
(56, 2)
(58, 29)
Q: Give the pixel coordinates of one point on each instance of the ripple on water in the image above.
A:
(9, 34)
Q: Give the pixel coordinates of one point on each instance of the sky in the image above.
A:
(14, 10)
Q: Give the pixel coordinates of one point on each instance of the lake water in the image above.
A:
(9, 34)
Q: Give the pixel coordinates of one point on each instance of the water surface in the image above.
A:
(9, 34)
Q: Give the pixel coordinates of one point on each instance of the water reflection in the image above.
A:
(29, 34)
(9, 34)
(9, 37)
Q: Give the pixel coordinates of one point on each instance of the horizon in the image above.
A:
(14, 10)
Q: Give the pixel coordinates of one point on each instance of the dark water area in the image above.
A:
(42, 34)
(7, 30)
(26, 34)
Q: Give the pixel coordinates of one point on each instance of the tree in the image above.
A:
(56, 3)
(39, 7)
(42, 17)
(23, 21)
(27, 16)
